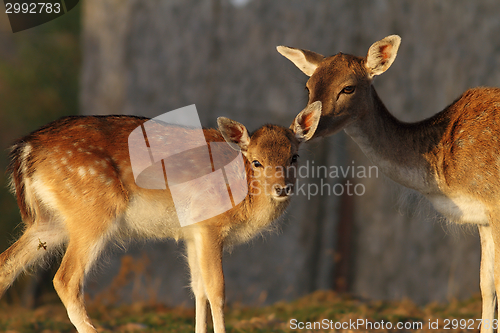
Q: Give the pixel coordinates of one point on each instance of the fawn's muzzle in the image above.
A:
(283, 191)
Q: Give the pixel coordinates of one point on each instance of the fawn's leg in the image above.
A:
(209, 253)
(69, 279)
(197, 287)
(487, 277)
(38, 241)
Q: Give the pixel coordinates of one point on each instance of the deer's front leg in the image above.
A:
(207, 278)
(197, 287)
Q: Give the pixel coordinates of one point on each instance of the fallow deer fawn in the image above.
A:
(76, 190)
(452, 157)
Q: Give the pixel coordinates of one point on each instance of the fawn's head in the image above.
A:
(272, 151)
(342, 82)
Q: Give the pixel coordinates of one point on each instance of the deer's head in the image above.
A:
(342, 82)
(272, 151)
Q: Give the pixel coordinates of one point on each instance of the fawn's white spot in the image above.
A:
(82, 172)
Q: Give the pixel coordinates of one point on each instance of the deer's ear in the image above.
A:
(381, 55)
(305, 124)
(235, 134)
(306, 61)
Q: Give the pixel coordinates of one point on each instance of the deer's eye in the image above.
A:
(256, 164)
(295, 158)
(348, 90)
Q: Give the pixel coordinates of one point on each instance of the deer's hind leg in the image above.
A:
(84, 248)
(41, 239)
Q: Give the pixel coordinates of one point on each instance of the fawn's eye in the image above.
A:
(256, 164)
(295, 158)
(348, 90)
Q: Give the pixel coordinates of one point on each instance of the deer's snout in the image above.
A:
(283, 191)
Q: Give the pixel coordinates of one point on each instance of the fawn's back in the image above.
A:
(74, 171)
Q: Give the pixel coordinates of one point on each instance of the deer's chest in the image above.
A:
(460, 209)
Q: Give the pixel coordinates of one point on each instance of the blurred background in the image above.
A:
(150, 57)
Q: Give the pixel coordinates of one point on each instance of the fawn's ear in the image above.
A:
(235, 134)
(306, 61)
(306, 122)
(381, 55)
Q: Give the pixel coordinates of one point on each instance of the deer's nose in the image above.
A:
(283, 191)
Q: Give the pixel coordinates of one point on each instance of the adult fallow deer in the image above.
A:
(451, 158)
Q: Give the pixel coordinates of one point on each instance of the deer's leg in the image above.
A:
(495, 235)
(198, 288)
(69, 279)
(487, 277)
(209, 253)
(38, 241)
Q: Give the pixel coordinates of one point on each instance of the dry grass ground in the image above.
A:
(322, 306)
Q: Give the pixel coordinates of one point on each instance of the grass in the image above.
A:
(315, 307)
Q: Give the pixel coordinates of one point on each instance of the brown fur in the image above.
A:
(452, 157)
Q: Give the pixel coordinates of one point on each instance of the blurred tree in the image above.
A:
(39, 71)
(150, 57)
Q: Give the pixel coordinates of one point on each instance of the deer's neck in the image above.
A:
(405, 152)
(260, 207)
(254, 214)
